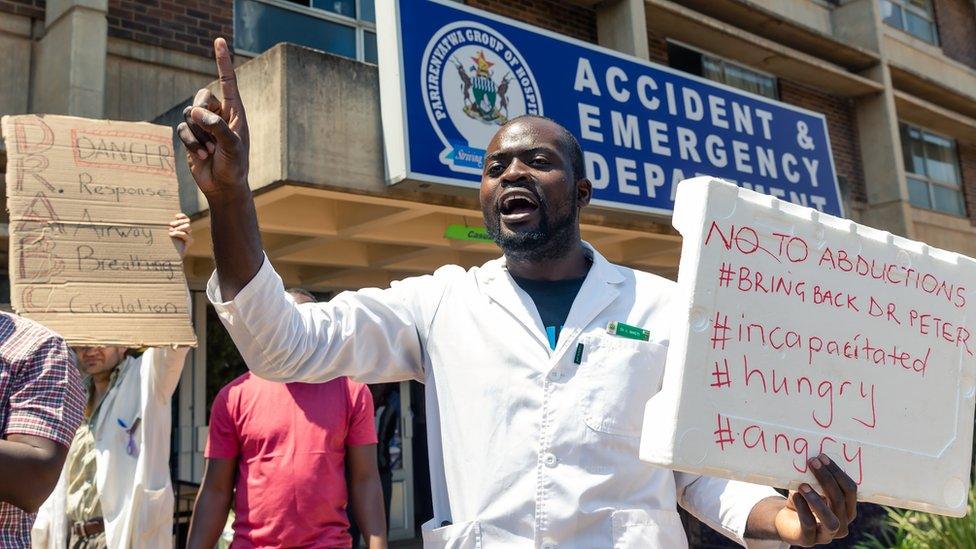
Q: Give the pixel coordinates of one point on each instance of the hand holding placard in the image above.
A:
(90, 203)
(798, 334)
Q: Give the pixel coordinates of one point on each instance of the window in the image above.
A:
(912, 16)
(933, 171)
(343, 27)
(721, 70)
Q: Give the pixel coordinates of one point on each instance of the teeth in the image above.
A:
(510, 202)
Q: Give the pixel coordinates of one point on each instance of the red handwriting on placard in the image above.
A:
(929, 324)
(755, 437)
(771, 382)
(748, 241)
(41, 212)
(856, 348)
(894, 274)
(745, 239)
(747, 280)
(27, 300)
(720, 331)
(721, 374)
(39, 253)
(130, 151)
(32, 138)
(755, 281)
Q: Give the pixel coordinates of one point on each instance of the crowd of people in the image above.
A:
(534, 410)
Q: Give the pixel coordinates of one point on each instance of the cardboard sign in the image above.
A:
(90, 256)
(798, 333)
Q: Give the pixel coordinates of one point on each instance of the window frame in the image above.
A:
(906, 5)
(725, 60)
(924, 178)
(361, 26)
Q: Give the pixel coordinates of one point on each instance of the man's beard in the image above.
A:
(550, 239)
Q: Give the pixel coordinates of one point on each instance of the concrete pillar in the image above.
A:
(881, 157)
(70, 69)
(858, 22)
(621, 26)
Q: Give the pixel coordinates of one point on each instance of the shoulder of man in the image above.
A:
(21, 337)
(237, 386)
(645, 280)
(354, 387)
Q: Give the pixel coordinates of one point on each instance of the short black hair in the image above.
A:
(570, 145)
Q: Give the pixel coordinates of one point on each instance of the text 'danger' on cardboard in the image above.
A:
(90, 256)
(801, 333)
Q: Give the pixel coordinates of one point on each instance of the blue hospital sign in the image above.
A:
(451, 75)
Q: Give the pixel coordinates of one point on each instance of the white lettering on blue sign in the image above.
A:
(643, 127)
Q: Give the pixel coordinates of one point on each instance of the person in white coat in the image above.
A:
(115, 489)
(534, 409)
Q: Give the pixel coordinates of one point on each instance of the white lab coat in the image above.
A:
(135, 492)
(527, 447)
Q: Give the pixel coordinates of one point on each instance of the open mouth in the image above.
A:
(517, 205)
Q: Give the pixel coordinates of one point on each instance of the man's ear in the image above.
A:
(584, 191)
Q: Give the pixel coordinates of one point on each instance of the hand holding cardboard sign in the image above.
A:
(181, 233)
(215, 133)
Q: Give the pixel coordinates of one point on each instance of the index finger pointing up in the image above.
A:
(225, 71)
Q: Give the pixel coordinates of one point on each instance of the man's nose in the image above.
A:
(515, 172)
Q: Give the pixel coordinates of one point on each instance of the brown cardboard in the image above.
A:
(90, 203)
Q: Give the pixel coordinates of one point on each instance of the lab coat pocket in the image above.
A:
(621, 375)
(638, 528)
(466, 535)
(155, 510)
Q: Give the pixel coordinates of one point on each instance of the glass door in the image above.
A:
(401, 465)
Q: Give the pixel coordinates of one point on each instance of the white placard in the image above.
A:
(798, 332)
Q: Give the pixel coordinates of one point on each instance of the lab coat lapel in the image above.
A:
(599, 290)
(502, 289)
(107, 407)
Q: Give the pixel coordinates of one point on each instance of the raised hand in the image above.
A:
(215, 134)
(216, 139)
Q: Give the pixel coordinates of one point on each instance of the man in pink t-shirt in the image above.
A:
(288, 445)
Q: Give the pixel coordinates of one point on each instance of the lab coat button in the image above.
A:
(555, 376)
(549, 545)
(549, 459)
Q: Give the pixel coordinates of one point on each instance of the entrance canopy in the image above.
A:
(329, 240)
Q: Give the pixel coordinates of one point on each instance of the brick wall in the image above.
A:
(658, 49)
(561, 17)
(967, 167)
(183, 25)
(842, 127)
(30, 8)
(956, 20)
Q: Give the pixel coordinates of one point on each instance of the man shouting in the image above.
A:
(534, 410)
